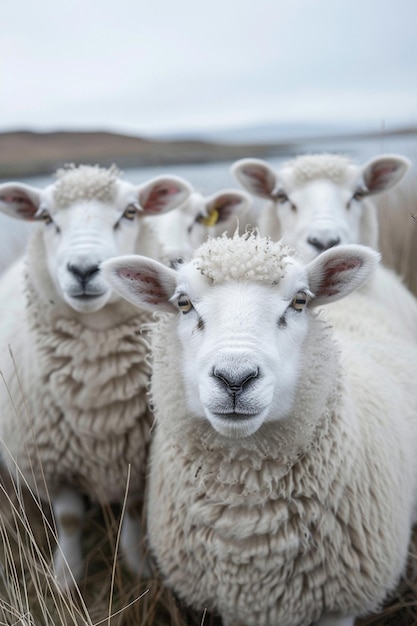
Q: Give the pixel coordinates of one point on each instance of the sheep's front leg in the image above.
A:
(132, 540)
(68, 507)
(334, 619)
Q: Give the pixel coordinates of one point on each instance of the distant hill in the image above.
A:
(27, 153)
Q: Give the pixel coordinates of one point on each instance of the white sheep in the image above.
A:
(183, 230)
(321, 200)
(77, 417)
(14, 237)
(283, 471)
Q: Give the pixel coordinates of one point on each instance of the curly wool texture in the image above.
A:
(332, 166)
(247, 257)
(309, 516)
(85, 182)
(78, 412)
(82, 415)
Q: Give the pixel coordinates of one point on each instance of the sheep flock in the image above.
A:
(236, 370)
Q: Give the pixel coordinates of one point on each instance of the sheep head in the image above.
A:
(200, 216)
(243, 309)
(321, 200)
(89, 215)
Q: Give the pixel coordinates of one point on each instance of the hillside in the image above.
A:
(28, 153)
(25, 153)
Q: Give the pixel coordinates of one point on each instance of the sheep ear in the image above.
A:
(163, 194)
(337, 272)
(220, 206)
(19, 201)
(142, 281)
(256, 176)
(383, 172)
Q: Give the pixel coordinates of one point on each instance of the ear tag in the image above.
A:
(211, 219)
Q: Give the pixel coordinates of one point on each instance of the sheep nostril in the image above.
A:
(333, 242)
(323, 243)
(316, 243)
(83, 273)
(235, 385)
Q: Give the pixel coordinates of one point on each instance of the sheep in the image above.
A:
(282, 479)
(321, 200)
(14, 239)
(74, 418)
(183, 230)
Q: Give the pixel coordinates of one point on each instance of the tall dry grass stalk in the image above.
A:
(397, 213)
(108, 594)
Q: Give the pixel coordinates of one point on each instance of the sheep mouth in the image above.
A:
(235, 417)
(85, 297)
(234, 425)
(87, 302)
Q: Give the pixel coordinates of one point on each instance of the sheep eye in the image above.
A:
(130, 213)
(45, 217)
(281, 197)
(358, 195)
(184, 304)
(299, 301)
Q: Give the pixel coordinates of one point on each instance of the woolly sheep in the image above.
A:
(183, 230)
(283, 473)
(321, 200)
(77, 417)
(14, 237)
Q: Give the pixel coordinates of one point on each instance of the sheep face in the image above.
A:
(235, 337)
(320, 201)
(242, 340)
(88, 216)
(78, 240)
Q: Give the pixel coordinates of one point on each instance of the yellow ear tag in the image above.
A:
(211, 219)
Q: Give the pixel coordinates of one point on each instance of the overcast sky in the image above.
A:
(172, 65)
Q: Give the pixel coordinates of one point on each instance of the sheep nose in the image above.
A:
(323, 243)
(83, 274)
(235, 384)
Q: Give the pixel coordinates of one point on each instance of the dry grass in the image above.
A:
(108, 593)
(397, 211)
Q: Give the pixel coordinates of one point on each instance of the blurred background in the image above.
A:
(161, 83)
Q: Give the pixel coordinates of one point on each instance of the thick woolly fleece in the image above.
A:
(77, 412)
(307, 516)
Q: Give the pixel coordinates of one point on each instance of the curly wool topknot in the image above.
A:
(246, 257)
(85, 182)
(331, 166)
